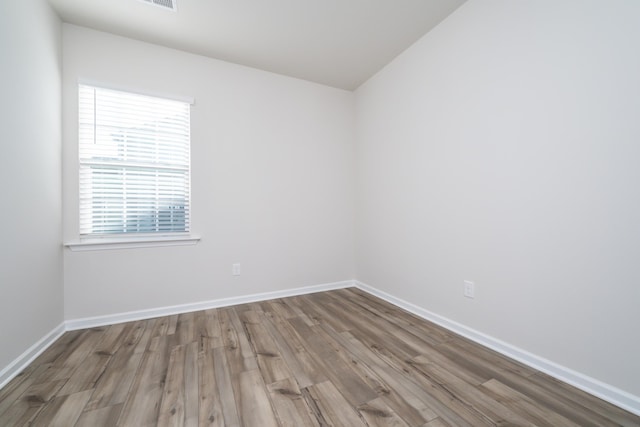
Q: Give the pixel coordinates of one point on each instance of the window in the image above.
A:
(134, 164)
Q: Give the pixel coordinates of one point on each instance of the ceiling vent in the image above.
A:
(165, 4)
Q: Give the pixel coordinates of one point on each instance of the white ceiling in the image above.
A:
(339, 43)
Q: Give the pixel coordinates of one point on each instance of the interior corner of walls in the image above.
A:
(17, 365)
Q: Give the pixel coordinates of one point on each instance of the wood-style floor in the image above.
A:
(339, 358)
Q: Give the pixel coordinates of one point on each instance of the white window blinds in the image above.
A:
(134, 163)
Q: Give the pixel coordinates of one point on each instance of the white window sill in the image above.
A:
(102, 244)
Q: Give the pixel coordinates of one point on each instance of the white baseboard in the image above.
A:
(111, 319)
(15, 367)
(21, 362)
(590, 385)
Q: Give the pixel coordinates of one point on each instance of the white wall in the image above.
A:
(271, 181)
(503, 148)
(31, 303)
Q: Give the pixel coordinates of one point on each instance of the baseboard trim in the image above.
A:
(22, 361)
(585, 383)
(111, 319)
(590, 385)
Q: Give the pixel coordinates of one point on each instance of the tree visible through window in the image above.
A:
(134, 163)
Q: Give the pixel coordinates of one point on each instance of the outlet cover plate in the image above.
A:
(469, 289)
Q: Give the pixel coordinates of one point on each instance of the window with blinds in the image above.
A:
(134, 163)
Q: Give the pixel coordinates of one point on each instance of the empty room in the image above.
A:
(320, 213)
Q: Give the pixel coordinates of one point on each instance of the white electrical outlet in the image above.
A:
(235, 269)
(469, 289)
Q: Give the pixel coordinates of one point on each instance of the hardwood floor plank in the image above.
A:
(63, 411)
(548, 398)
(434, 357)
(341, 375)
(112, 387)
(200, 330)
(226, 391)
(424, 397)
(172, 412)
(69, 361)
(491, 357)
(349, 302)
(398, 397)
(377, 414)
(472, 397)
(290, 407)
(143, 402)
(585, 400)
(211, 328)
(312, 403)
(239, 354)
(20, 413)
(449, 406)
(146, 333)
(438, 422)
(12, 392)
(191, 388)
(337, 358)
(401, 317)
(537, 414)
(319, 313)
(112, 338)
(34, 398)
(279, 308)
(375, 333)
(87, 373)
(271, 365)
(62, 347)
(249, 359)
(304, 368)
(162, 326)
(179, 405)
(102, 417)
(185, 328)
(210, 407)
(297, 306)
(253, 403)
(43, 374)
(334, 407)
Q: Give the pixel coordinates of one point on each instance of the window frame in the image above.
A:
(104, 241)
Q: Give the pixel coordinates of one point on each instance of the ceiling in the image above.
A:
(339, 43)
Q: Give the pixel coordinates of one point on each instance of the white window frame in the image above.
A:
(133, 239)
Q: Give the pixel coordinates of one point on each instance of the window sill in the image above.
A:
(103, 244)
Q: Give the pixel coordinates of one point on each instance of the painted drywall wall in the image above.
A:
(31, 304)
(271, 177)
(503, 148)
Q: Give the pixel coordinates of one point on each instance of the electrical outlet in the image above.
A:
(235, 269)
(469, 289)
